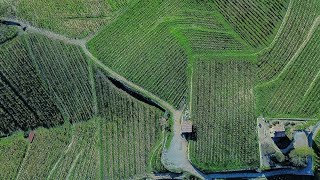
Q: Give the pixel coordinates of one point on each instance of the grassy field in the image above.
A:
(130, 132)
(12, 150)
(293, 92)
(224, 115)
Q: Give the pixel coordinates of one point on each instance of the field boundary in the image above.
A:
(283, 24)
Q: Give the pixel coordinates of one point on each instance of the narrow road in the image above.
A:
(176, 157)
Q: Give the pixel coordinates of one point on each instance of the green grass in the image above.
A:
(223, 114)
(12, 150)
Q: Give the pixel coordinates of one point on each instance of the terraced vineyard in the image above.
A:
(7, 33)
(74, 98)
(150, 57)
(80, 159)
(130, 132)
(103, 82)
(44, 152)
(254, 20)
(293, 92)
(301, 15)
(223, 114)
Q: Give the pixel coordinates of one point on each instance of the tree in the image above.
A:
(299, 156)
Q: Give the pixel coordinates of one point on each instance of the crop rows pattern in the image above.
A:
(69, 86)
(12, 150)
(254, 20)
(24, 101)
(129, 131)
(224, 116)
(81, 159)
(294, 92)
(74, 18)
(7, 33)
(48, 145)
(150, 56)
(301, 17)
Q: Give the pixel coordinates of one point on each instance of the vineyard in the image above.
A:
(12, 151)
(120, 4)
(254, 20)
(74, 18)
(301, 15)
(103, 84)
(45, 150)
(7, 33)
(223, 114)
(150, 56)
(80, 160)
(24, 101)
(130, 131)
(294, 92)
(54, 61)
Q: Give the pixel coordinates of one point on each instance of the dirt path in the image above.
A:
(73, 165)
(23, 161)
(176, 158)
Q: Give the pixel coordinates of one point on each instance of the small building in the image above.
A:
(186, 127)
(277, 130)
(31, 136)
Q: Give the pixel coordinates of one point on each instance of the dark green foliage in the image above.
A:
(68, 86)
(130, 130)
(7, 33)
(24, 101)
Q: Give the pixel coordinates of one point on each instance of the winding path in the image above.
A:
(176, 157)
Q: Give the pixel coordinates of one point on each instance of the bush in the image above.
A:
(298, 156)
(279, 156)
